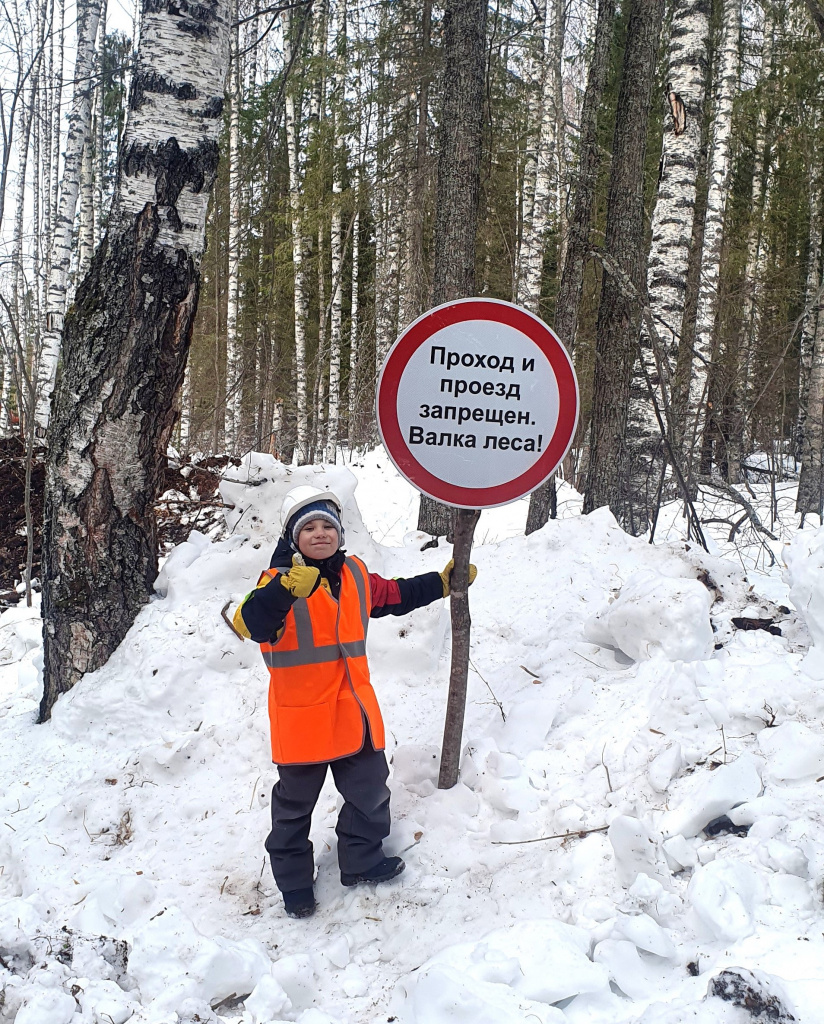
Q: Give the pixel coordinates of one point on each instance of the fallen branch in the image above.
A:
(750, 513)
(543, 839)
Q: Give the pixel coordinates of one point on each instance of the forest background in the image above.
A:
(677, 145)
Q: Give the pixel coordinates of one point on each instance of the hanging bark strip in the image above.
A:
(125, 346)
(456, 226)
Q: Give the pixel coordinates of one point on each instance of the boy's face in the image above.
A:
(318, 539)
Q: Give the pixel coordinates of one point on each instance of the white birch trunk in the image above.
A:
(47, 117)
(85, 235)
(810, 497)
(718, 167)
(56, 135)
(337, 237)
(390, 256)
(100, 135)
(672, 220)
(321, 359)
(5, 390)
(88, 15)
(291, 118)
(545, 197)
(354, 330)
(560, 136)
(234, 351)
(18, 299)
(125, 347)
(756, 250)
(186, 411)
(809, 326)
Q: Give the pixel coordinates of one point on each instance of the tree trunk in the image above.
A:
(672, 220)
(234, 343)
(750, 310)
(456, 226)
(85, 233)
(101, 162)
(618, 323)
(292, 119)
(544, 202)
(126, 342)
(354, 330)
(337, 235)
(809, 326)
(544, 500)
(810, 498)
(88, 16)
(718, 177)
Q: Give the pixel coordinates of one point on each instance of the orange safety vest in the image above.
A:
(319, 689)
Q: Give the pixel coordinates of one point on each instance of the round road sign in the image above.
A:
(477, 403)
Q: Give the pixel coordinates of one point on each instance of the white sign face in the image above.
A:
(477, 403)
(478, 400)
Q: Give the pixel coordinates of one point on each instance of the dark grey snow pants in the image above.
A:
(363, 822)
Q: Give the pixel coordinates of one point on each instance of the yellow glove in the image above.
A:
(446, 575)
(301, 580)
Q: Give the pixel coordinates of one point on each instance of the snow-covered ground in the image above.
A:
(613, 706)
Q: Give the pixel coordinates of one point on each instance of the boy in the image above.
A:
(310, 614)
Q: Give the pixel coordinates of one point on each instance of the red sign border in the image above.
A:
(421, 331)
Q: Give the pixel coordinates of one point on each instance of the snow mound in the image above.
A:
(725, 788)
(504, 977)
(804, 558)
(656, 616)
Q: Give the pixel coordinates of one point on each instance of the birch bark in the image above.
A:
(354, 330)
(100, 134)
(301, 302)
(750, 310)
(85, 234)
(88, 16)
(810, 498)
(125, 347)
(337, 236)
(544, 202)
(672, 220)
(718, 177)
(234, 352)
(810, 354)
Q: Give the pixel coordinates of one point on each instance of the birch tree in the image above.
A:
(126, 342)
(718, 176)
(672, 220)
(79, 125)
(541, 199)
(301, 302)
(337, 235)
(234, 345)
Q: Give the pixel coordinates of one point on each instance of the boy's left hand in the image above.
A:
(446, 575)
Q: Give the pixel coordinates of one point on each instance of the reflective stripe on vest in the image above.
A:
(307, 653)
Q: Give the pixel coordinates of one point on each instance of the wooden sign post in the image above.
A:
(477, 405)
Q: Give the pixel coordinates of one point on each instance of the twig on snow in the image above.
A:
(542, 839)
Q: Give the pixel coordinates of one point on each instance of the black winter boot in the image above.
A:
(385, 869)
(300, 902)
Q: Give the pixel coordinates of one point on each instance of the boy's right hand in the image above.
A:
(301, 580)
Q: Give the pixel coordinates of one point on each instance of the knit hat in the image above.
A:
(316, 510)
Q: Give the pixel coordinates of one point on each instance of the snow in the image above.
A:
(613, 712)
